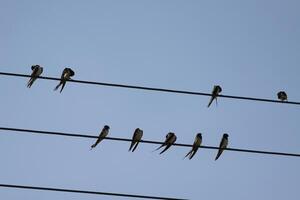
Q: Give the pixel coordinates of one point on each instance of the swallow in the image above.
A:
(215, 93)
(66, 75)
(197, 143)
(282, 96)
(136, 138)
(36, 72)
(223, 145)
(169, 141)
(101, 136)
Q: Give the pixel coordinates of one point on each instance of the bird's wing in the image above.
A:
(63, 74)
(34, 71)
(168, 139)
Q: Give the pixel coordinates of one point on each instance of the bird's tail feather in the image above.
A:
(219, 154)
(62, 87)
(135, 146)
(93, 146)
(210, 101)
(57, 86)
(193, 153)
(188, 153)
(131, 145)
(97, 142)
(159, 147)
(30, 82)
(167, 147)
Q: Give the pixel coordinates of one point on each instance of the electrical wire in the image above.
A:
(145, 141)
(155, 89)
(85, 192)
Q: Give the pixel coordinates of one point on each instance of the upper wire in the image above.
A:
(155, 89)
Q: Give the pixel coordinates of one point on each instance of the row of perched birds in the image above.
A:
(68, 73)
(169, 141)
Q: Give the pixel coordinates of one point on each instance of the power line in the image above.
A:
(156, 89)
(85, 192)
(144, 141)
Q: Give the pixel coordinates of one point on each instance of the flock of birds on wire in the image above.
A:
(66, 75)
(169, 141)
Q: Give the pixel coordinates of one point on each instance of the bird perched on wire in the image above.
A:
(136, 138)
(169, 141)
(197, 143)
(101, 136)
(282, 96)
(65, 76)
(215, 93)
(36, 72)
(223, 145)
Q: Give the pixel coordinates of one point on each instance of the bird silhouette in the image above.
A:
(215, 93)
(223, 145)
(65, 76)
(36, 72)
(136, 138)
(282, 96)
(197, 143)
(101, 136)
(169, 141)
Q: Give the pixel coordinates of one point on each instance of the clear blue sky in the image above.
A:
(250, 48)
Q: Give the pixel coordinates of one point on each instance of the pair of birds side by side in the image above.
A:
(169, 141)
(198, 140)
(136, 138)
(281, 95)
(37, 70)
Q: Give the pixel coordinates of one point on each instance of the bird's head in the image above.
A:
(199, 135)
(69, 71)
(225, 135)
(218, 88)
(170, 134)
(282, 95)
(106, 127)
(72, 73)
(34, 66)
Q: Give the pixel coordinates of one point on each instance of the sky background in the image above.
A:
(250, 48)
